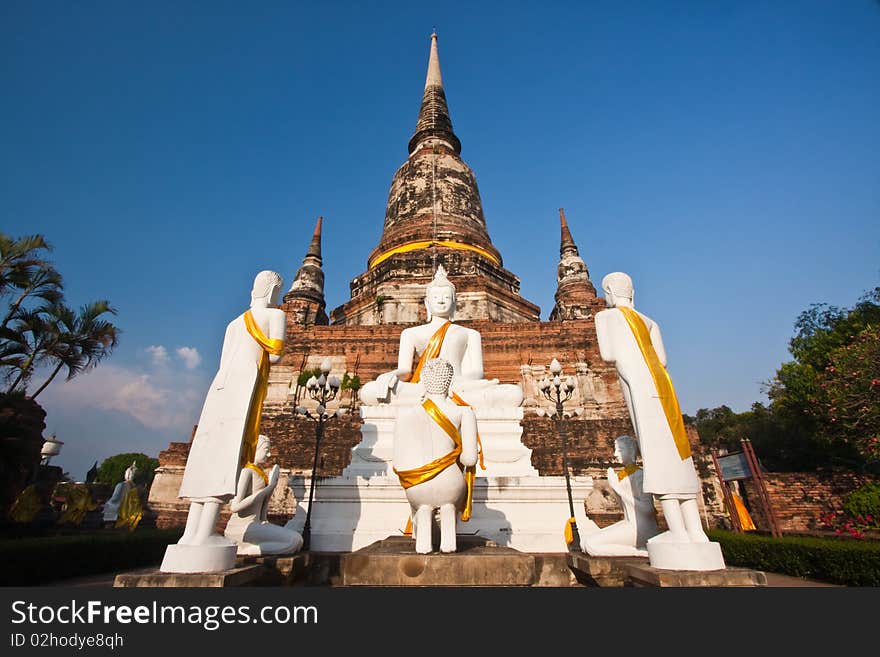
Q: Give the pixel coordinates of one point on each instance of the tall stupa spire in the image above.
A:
(434, 216)
(434, 120)
(315, 247)
(566, 242)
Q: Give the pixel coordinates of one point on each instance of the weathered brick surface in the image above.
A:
(799, 499)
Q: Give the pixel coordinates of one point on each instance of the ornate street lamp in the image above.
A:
(323, 390)
(558, 390)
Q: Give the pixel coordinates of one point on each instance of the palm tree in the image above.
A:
(23, 344)
(83, 339)
(19, 260)
(42, 282)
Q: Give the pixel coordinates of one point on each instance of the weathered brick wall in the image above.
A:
(799, 499)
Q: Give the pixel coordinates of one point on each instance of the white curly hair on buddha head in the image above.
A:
(265, 284)
(440, 280)
(437, 376)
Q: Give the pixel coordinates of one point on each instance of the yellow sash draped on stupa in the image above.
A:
(662, 382)
(430, 470)
(131, 511)
(252, 425)
(26, 506)
(79, 502)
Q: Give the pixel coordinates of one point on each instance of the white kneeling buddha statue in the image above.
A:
(628, 536)
(633, 343)
(440, 337)
(248, 526)
(111, 506)
(433, 443)
(228, 428)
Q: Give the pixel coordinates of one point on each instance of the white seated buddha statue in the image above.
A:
(440, 337)
(248, 526)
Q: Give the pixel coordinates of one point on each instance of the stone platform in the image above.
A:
(244, 575)
(636, 571)
(645, 575)
(478, 562)
(603, 571)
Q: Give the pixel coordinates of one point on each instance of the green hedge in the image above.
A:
(850, 562)
(40, 560)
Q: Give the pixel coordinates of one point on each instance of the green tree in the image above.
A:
(112, 469)
(809, 393)
(850, 395)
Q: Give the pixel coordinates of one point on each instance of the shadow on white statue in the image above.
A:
(433, 443)
(248, 526)
(629, 536)
(633, 343)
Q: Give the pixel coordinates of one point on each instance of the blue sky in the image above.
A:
(725, 154)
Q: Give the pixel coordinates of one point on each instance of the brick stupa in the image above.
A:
(434, 215)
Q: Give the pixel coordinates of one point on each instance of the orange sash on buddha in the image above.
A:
(252, 424)
(662, 381)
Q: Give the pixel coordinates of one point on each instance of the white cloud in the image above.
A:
(190, 357)
(164, 400)
(159, 354)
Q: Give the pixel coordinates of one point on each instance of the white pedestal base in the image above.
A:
(686, 556)
(198, 558)
(525, 513)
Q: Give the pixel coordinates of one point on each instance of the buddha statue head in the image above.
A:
(262, 451)
(626, 449)
(440, 296)
(267, 285)
(130, 472)
(618, 287)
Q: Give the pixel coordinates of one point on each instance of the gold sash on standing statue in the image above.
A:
(430, 470)
(252, 424)
(662, 382)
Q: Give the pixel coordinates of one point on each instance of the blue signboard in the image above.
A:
(734, 466)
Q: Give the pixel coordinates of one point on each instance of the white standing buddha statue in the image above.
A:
(249, 526)
(435, 456)
(440, 337)
(228, 428)
(633, 343)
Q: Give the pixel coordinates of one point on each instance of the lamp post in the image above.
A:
(558, 390)
(323, 390)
